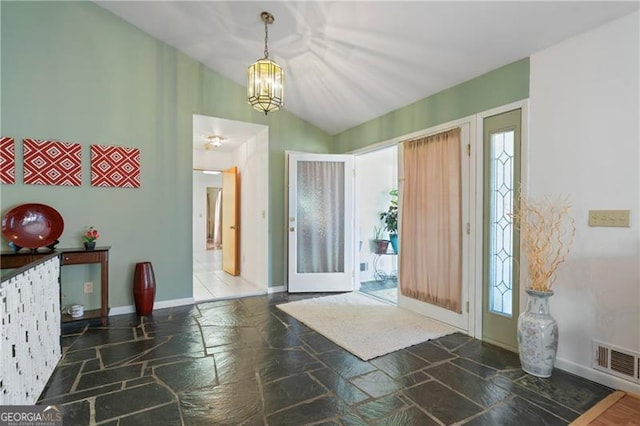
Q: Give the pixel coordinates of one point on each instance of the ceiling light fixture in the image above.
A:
(213, 141)
(265, 78)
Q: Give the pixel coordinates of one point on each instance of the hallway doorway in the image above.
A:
(245, 147)
(210, 282)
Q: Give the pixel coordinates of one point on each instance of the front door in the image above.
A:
(230, 221)
(320, 223)
(456, 318)
(501, 140)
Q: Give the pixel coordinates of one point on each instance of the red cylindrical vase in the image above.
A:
(144, 288)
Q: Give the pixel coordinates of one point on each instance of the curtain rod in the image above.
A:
(431, 134)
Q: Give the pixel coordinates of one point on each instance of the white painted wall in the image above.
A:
(200, 183)
(584, 142)
(376, 175)
(252, 160)
(212, 160)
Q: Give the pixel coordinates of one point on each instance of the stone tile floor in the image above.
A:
(245, 362)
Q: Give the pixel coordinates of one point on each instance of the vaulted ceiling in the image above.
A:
(347, 62)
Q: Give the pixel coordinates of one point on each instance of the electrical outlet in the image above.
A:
(616, 218)
(88, 287)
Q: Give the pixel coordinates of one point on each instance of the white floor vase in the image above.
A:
(537, 335)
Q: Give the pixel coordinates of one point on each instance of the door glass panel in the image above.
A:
(501, 194)
(320, 236)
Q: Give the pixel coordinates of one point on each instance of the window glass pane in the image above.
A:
(501, 190)
(320, 213)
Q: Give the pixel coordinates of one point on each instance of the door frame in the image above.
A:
(478, 276)
(468, 273)
(255, 221)
(475, 249)
(468, 235)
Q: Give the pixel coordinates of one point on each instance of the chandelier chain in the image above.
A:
(266, 39)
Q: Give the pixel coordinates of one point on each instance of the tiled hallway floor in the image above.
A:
(245, 362)
(210, 282)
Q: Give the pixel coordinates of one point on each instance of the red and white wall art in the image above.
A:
(115, 166)
(7, 160)
(52, 162)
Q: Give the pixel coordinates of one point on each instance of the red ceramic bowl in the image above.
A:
(32, 226)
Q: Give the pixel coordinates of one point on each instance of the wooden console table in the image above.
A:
(71, 257)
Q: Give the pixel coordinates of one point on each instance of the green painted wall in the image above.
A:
(498, 87)
(75, 72)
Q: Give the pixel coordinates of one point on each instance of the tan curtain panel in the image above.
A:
(431, 221)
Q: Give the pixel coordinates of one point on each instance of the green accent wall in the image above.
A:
(73, 71)
(495, 88)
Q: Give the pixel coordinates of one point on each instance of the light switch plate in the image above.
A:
(615, 218)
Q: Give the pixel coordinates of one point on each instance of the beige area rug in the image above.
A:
(363, 325)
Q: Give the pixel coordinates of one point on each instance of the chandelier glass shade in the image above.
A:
(265, 78)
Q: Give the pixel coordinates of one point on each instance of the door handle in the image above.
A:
(232, 227)
(291, 229)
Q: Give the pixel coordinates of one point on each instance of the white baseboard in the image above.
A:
(279, 289)
(120, 310)
(597, 376)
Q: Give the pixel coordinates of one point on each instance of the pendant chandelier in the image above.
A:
(265, 78)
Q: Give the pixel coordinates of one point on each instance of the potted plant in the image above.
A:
(546, 235)
(390, 219)
(380, 245)
(89, 238)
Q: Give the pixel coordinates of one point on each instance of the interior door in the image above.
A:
(320, 223)
(501, 289)
(459, 320)
(231, 221)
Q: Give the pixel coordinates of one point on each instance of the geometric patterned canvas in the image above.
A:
(7, 160)
(52, 163)
(115, 166)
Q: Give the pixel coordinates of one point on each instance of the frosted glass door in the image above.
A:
(320, 223)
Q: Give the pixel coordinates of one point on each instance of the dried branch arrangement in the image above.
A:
(546, 235)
